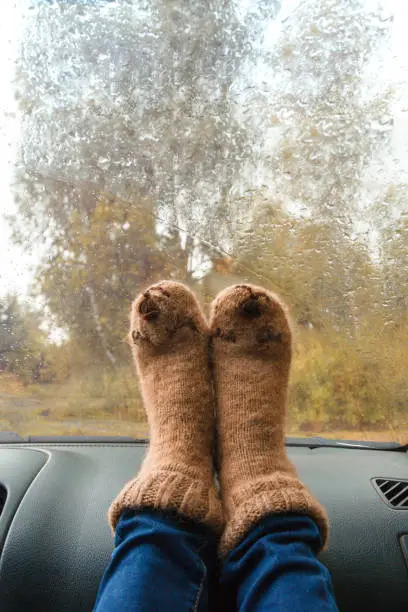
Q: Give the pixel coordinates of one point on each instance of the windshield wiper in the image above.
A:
(317, 442)
(8, 437)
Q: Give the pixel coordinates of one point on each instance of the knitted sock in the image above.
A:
(170, 338)
(252, 355)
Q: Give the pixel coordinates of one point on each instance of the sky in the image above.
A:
(17, 265)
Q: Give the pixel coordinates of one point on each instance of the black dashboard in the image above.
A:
(55, 541)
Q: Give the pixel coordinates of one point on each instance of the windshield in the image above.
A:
(216, 142)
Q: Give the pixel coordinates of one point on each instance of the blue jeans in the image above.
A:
(163, 562)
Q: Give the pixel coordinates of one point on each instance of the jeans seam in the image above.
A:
(200, 588)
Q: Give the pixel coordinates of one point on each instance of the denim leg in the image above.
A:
(161, 562)
(275, 568)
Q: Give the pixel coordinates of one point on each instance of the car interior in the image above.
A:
(55, 541)
(213, 143)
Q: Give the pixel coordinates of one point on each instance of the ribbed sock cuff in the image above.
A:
(165, 490)
(276, 494)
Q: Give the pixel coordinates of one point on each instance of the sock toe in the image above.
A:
(250, 317)
(165, 310)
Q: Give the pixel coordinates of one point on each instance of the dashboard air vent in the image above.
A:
(393, 492)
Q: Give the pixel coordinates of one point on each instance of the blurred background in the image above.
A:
(209, 142)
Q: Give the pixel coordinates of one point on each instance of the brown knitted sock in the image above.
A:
(252, 355)
(169, 338)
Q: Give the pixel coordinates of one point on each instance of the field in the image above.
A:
(81, 407)
(69, 409)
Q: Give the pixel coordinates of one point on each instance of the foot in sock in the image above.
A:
(169, 338)
(252, 348)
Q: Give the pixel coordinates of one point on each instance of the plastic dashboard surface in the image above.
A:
(55, 541)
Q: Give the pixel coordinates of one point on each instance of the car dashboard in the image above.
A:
(55, 541)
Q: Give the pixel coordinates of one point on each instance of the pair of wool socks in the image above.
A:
(228, 376)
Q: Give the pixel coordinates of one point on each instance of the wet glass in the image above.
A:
(213, 143)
